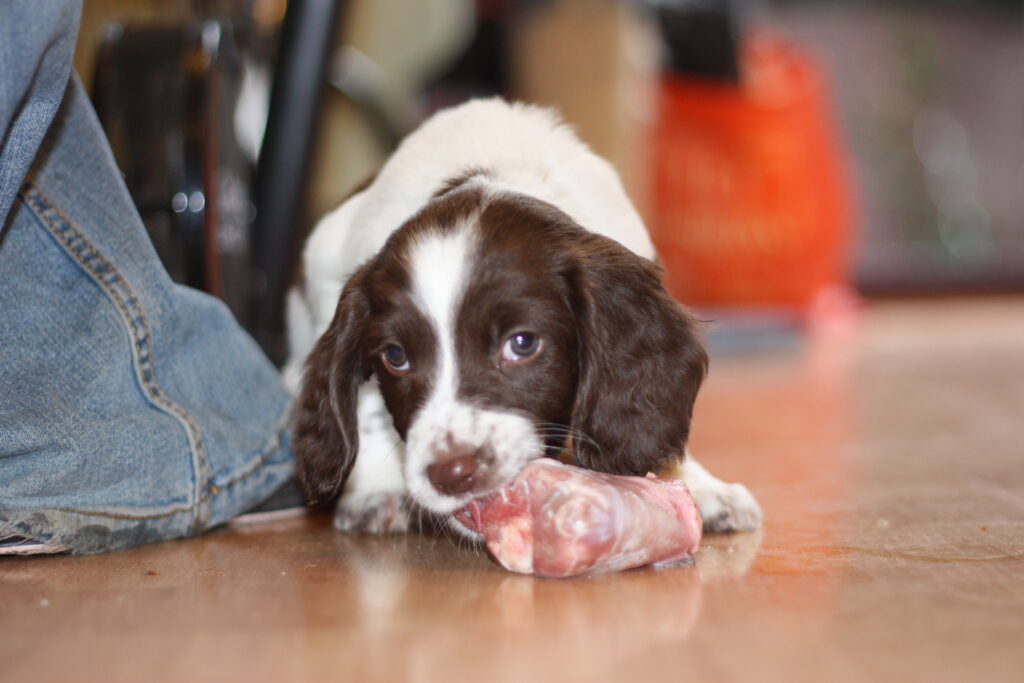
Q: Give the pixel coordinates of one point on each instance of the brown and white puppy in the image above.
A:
(490, 298)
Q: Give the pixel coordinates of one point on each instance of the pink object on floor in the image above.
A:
(556, 520)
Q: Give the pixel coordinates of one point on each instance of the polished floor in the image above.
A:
(888, 456)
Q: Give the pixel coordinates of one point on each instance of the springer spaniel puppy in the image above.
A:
(489, 298)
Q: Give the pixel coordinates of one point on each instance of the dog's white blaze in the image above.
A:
(439, 266)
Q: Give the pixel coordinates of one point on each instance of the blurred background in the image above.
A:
(790, 157)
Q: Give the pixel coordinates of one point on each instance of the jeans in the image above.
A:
(131, 409)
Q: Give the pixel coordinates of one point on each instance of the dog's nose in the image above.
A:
(454, 475)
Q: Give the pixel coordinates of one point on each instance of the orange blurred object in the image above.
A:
(751, 206)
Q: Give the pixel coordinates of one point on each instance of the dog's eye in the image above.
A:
(520, 346)
(395, 359)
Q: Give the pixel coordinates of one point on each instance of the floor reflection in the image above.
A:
(444, 603)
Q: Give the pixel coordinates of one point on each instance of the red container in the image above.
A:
(750, 200)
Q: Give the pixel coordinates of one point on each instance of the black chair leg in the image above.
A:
(307, 38)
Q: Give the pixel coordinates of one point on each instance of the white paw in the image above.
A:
(727, 507)
(376, 512)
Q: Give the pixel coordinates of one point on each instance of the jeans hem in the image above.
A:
(86, 531)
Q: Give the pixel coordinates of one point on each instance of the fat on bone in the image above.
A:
(556, 520)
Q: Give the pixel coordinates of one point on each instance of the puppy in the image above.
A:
(489, 298)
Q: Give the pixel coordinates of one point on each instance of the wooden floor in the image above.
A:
(890, 464)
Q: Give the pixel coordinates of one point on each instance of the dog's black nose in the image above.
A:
(454, 475)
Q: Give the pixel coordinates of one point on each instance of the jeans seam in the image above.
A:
(272, 446)
(133, 315)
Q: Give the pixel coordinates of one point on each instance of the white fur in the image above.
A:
(525, 149)
(510, 438)
(375, 485)
(723, 506)
(439, 265)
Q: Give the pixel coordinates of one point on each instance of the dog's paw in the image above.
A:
(727, 507)
(376, 512)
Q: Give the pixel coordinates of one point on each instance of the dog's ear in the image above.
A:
(326, 433)
(641, 363)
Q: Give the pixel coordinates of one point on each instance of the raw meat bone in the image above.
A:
(556, 520)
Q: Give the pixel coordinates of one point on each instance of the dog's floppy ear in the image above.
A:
(326, 434)
(641, 363)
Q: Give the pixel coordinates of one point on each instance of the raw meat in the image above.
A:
(556, 520)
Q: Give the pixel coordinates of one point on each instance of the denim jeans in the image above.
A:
(131, 409)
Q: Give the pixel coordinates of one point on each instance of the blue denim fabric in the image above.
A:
(131, 409)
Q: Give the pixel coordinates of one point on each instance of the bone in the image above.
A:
(556, 520)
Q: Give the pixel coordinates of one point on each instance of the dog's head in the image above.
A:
(500, 331)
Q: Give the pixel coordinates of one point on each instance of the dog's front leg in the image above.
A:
(374, 500)
(724, 507)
